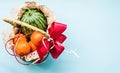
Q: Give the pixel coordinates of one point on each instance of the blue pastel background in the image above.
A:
(93, 32)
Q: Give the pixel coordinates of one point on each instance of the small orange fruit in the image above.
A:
(36, 38)
(22, 48)
(33, 47)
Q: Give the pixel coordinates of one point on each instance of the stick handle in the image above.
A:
(17, 22)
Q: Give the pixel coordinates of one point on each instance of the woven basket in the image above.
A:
(33, 56)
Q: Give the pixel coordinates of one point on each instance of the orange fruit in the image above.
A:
(36, 38)
(22, 48)
(17, 36)
(33, 47)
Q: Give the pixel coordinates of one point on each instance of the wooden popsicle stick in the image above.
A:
(17, 22)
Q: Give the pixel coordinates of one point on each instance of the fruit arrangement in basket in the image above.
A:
(35, 34)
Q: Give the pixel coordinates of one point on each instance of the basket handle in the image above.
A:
(17, 22)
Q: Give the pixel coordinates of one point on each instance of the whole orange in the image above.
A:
(22, 48)
(36, 38)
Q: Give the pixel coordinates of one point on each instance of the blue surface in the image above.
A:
(93, 30)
